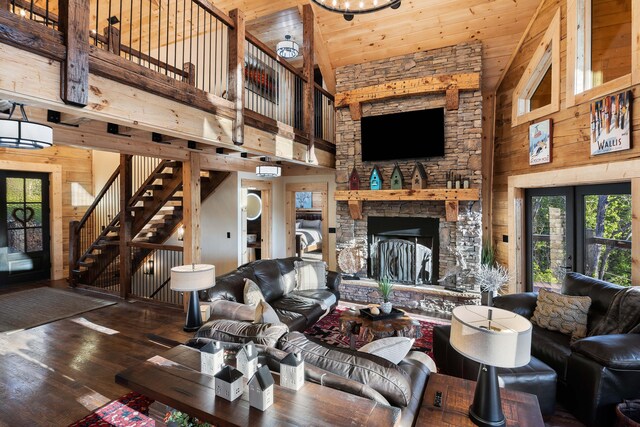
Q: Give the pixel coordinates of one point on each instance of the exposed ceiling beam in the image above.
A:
(321, 53)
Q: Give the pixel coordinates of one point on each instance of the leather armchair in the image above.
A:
(594, 373)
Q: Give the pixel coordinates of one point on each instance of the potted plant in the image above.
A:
(175, 418)
(385, 287)
(491, 279)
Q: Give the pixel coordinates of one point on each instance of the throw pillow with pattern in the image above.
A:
(310, 275)
(562, 313)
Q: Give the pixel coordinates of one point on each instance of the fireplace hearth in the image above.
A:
(403, 249)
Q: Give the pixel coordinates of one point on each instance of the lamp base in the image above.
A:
(194, 319)
(486, 410)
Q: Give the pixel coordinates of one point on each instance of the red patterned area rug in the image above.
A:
(130, 410)
(328, 331)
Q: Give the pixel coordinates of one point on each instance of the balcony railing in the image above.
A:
(190, 41)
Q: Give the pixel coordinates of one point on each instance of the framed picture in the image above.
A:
(261, 79)
(611, 123)
(304, 200)
(540, 139)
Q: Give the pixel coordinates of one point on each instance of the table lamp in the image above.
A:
(193, 278)
(494, 338)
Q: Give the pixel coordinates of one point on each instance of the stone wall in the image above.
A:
(462, 150)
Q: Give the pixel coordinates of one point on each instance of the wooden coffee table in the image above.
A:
(520, 409)
(356, 326)
(184, 388)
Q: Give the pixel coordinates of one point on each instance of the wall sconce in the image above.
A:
(181, 233)
(148, 267)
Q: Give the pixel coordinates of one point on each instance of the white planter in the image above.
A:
(386, 307)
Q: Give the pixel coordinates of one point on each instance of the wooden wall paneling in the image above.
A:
(635, 43)
(308, 114)
(74, 21)
(488, 135)
(236, 74)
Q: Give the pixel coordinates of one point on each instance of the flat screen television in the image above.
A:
(406, 135)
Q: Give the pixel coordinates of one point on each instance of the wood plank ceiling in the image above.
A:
(417, 25)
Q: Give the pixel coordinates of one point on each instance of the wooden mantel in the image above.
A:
(450, 197)
(451, 84)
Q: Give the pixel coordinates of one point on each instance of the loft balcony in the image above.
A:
(185, 51)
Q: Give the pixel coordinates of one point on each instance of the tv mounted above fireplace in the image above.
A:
(401, 136)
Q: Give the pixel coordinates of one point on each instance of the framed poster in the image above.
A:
(540, 139)
(260, 79)
(304, 200)
(611, 123)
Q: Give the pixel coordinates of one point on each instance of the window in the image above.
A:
(538, 91)
(585, 229)
(599, 46)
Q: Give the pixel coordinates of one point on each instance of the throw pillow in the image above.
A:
(563, 313)
(243, 332)
(312, 223)
(394, 349)
(310, 275)
(266, 314)
(252, 293)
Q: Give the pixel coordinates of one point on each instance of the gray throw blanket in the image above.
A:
(623, 315)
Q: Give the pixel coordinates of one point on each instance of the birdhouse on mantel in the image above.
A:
(261, 389)
(397, 180)
(229, 383)
(354, 180)
(247, 360)
(292, 371)
(375, 180)
(211, 358)
(418, 177)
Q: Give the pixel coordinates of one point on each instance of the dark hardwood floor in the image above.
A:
(57, 373)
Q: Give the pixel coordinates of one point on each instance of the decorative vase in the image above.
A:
(385, 307)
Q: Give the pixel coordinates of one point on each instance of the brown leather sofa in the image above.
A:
(594, 373)
(276, 278)
(353, 372)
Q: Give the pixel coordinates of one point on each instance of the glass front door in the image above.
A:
(24, 227)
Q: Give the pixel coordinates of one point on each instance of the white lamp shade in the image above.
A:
(503, 342)
(194, 277)
(23, 134)
(268, 171)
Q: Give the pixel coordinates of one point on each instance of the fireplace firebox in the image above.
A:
(403, 249)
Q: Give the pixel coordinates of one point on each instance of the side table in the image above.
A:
(520, 409)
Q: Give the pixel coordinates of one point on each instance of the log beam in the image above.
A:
(308, 115)
(236, 74)
(126, 222)
(191, 208)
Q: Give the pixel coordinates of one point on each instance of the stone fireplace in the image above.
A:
(425, 256)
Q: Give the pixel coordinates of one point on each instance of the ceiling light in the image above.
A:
(364, 6)
(268, 170)
(22, 133)
(287, 48)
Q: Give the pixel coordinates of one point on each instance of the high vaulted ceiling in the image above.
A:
(417, 25)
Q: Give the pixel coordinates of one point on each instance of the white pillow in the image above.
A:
(394, 349)
(310, 275)
(266, 314)
(252, 293)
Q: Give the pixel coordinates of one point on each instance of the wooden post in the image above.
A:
(74, 21)
(126, 221)
(190, 69)
(191, 213)
(74, 251)
(113, 35)
(236, 73)
(308, 115)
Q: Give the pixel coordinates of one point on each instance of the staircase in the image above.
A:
(156, 207)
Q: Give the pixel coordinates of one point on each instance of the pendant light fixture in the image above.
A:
(21, 133)
(287, 48)
(349, 8)
(268, 170)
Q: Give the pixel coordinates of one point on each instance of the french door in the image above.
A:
(582, 228)
(24, 227)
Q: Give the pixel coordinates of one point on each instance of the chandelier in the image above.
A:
(268, 170)
(287, 48)
(349, 8)
(21, 133)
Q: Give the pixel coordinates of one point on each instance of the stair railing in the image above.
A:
(151, 278)
(102, 214)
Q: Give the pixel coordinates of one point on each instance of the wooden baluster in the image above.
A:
(236, 73)
(74, 21)
(126, 221)
(74, 251)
